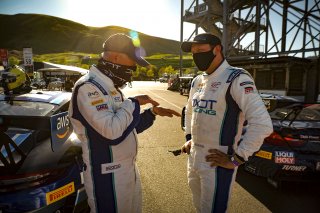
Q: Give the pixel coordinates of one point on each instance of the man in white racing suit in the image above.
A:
(107, 124)
(220, 101)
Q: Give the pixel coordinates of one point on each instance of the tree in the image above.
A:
(169, 69)
(13, 60)
(150, 73)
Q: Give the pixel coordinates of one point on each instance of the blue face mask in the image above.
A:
(203, 60)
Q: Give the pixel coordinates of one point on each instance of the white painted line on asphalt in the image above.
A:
(165, 100)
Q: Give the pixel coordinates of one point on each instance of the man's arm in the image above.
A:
(245, 93)
(259, 125)
(99, 113)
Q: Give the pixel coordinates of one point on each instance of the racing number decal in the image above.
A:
(60, 193)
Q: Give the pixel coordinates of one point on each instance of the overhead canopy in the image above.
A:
(59, 69)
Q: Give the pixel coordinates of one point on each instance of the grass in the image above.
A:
(75, 59)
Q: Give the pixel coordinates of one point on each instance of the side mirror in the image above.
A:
(183, 113)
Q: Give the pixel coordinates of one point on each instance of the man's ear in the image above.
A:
(217, 49)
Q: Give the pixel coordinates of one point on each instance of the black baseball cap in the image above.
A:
(204, 38)
(122, 43)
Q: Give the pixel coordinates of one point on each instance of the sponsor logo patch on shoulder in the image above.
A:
(248, 90)
(215, 84)
(60, 193)
(93, 94)
(246, 83)
(117, 99)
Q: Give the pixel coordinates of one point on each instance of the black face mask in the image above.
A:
(203, 60)
(119, 74)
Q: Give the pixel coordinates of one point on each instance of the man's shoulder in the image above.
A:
(196, 80)
(234, 72)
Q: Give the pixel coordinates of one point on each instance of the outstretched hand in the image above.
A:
(161, 111)
(145, 99)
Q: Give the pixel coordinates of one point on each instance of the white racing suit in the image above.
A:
(217, 108)
(107, 125)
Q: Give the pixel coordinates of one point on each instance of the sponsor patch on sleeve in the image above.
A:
(246, 83)
(96, 102)
(102, 107)
(93, 94)
(117, 99)
(248, 90)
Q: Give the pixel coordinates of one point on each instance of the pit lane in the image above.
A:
(164, 176)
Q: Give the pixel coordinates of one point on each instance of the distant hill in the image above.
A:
(48, 34)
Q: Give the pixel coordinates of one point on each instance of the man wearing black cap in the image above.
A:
(107, 124)
(220, 101)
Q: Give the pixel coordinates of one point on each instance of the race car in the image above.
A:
(292, 151)
(40, 161)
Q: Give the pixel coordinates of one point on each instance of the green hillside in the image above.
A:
(48, 34)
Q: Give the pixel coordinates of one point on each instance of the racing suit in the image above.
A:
(217, 108)
(107, 125)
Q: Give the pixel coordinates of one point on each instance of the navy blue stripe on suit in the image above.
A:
(223, 182)
(230, 123)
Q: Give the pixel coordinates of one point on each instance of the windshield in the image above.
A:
(308, 113)
(25, 108)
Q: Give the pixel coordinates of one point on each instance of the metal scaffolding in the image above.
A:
(259, 28)
(277, 41)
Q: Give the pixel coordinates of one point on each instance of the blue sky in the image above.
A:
(159, 18)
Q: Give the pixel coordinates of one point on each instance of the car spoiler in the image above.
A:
(59, 126)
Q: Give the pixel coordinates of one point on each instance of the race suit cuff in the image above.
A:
(152, 111)
(239, 158)
(188, 137)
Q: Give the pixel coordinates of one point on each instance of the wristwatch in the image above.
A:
(236, 160)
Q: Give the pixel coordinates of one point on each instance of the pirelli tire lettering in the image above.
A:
(60, 193)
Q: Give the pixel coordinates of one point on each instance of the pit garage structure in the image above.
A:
(277, 41)
(51, 70)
